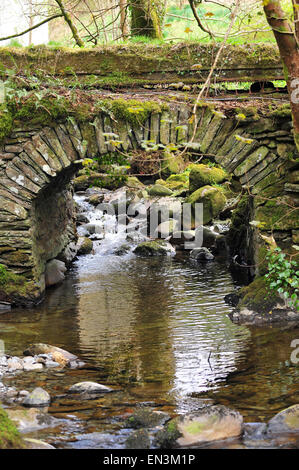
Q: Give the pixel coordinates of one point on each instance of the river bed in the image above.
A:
(157, 331)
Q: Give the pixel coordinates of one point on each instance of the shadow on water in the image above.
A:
(159, 331)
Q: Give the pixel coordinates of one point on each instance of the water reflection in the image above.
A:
(159, 328)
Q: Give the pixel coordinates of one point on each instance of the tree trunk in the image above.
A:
(147, 18)
(123, 18)
(287, 41)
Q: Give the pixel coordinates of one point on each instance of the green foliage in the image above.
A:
(4, 275)
(6, 121)
(10, 437)
(283, 276)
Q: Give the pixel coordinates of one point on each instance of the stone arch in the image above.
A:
(36, 167)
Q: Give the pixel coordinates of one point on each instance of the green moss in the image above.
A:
(6, 122)
(283, 111)
(212, 199)
(257, 296)
(10, 437)
(132, 111)
(151, 248)
(159, 190)
(172, 163)
(202, 175)
(167, 437)
(278, 214)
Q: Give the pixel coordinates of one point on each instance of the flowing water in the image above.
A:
(157, 331)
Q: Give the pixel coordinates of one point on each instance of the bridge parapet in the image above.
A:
(130, 65)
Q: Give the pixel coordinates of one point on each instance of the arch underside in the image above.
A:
(37, 218)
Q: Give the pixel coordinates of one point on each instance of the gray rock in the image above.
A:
(146, 418)
(154, 248)
(46, 351)
(32, 419)
(201, 254)
(139, 439)
(55, 272)
(84, 246)
(37, 444)
(82, 219)
(52, 364)
(39, 397)
(30, 367)
(14, 363)
(88, 387)
(285, 421)
(3, 361)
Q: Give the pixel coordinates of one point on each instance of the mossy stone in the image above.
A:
(213, 201)
(258, 297)
(278, 214)
(172, 163)
(159, 190)
(153, 248)
(202, 175)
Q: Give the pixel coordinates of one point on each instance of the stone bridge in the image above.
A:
(37, 217)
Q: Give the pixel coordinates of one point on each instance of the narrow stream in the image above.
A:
(157, 331)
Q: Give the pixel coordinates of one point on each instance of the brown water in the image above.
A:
(158, 331)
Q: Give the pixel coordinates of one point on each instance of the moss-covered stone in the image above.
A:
(213, 201)
(10, 437)
(16, 288)
(133, 112)
(146, 418)
(154, 248)
(172, 163)
(167, 437)
(258, 297)
(159, 190)
(6, 122)
(278, 214)
(134, 183)
(202, 175)
(85, 246)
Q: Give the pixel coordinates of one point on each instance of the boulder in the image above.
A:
(31, 367)
(96, 199)
(84, 246)
(139, 439)
(284, 422)
(10, 437)
(134, 183)
(202, 175)
(146, 418)
(210, 424)
(213, 201)
(15, 363)
(154, 248)
(172, 163)
(37, 444)
(55, 272)
(82, 219)
(39, 397)
(32, 419)
(88, 387)
(41, 348)
(201, 254)
(159, 191)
